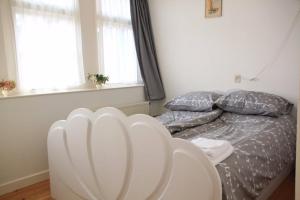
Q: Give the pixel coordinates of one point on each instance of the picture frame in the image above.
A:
(213, 8)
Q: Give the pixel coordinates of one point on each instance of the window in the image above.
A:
(115, 39)
(44, 48)
(47, 44)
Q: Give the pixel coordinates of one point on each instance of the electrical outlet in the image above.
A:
(238, 78)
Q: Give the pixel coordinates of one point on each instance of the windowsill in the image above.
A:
(18, 94)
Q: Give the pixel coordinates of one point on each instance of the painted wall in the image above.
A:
(25, 121)
(196, 53)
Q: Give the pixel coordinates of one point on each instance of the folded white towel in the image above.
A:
(216, 150)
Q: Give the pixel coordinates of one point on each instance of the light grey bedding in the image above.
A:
(180, 120)
(263, 147)
(200, 101)
(254, 103)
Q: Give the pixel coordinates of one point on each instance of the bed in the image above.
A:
(264, 147)
(107, 155)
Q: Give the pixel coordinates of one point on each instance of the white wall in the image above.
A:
(24, 124)
(196, 53)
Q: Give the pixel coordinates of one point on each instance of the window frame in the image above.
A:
(92, 54)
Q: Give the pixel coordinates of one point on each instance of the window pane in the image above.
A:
(47, 51)
(116, 9)
(117, 42)
(120, 62)
(39, 4)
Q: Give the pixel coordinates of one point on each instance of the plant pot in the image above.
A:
(4, 93)
(98, 86)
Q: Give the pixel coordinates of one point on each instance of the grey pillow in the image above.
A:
(176, 121)
(194, 101)
(254, 103)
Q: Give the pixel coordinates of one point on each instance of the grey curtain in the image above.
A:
(145, 47)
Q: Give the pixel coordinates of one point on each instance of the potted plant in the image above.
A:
(6, 86)
(98, 79)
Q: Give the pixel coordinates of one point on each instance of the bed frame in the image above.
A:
(106, 156)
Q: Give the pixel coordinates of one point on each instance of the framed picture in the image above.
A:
(213, 8)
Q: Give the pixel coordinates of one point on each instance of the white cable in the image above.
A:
(280, 49)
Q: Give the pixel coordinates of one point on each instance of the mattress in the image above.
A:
(263, 148)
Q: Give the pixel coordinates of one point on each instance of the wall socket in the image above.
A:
(238, 78)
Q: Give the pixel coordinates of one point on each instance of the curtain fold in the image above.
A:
(145, 47)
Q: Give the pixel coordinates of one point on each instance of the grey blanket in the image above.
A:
(263, 148)
(176, 121)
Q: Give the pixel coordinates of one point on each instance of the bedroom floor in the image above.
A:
(41, 191)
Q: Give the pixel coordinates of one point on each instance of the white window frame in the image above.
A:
(91, 53)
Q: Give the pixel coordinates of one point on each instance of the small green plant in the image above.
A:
(98, 78)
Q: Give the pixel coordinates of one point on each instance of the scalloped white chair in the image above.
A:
(108, 156)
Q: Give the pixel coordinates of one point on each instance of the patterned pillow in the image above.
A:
(254, 103)
(194, 101)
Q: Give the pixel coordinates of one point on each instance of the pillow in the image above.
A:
(176, 121)
(194, 101)
(254, 103)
